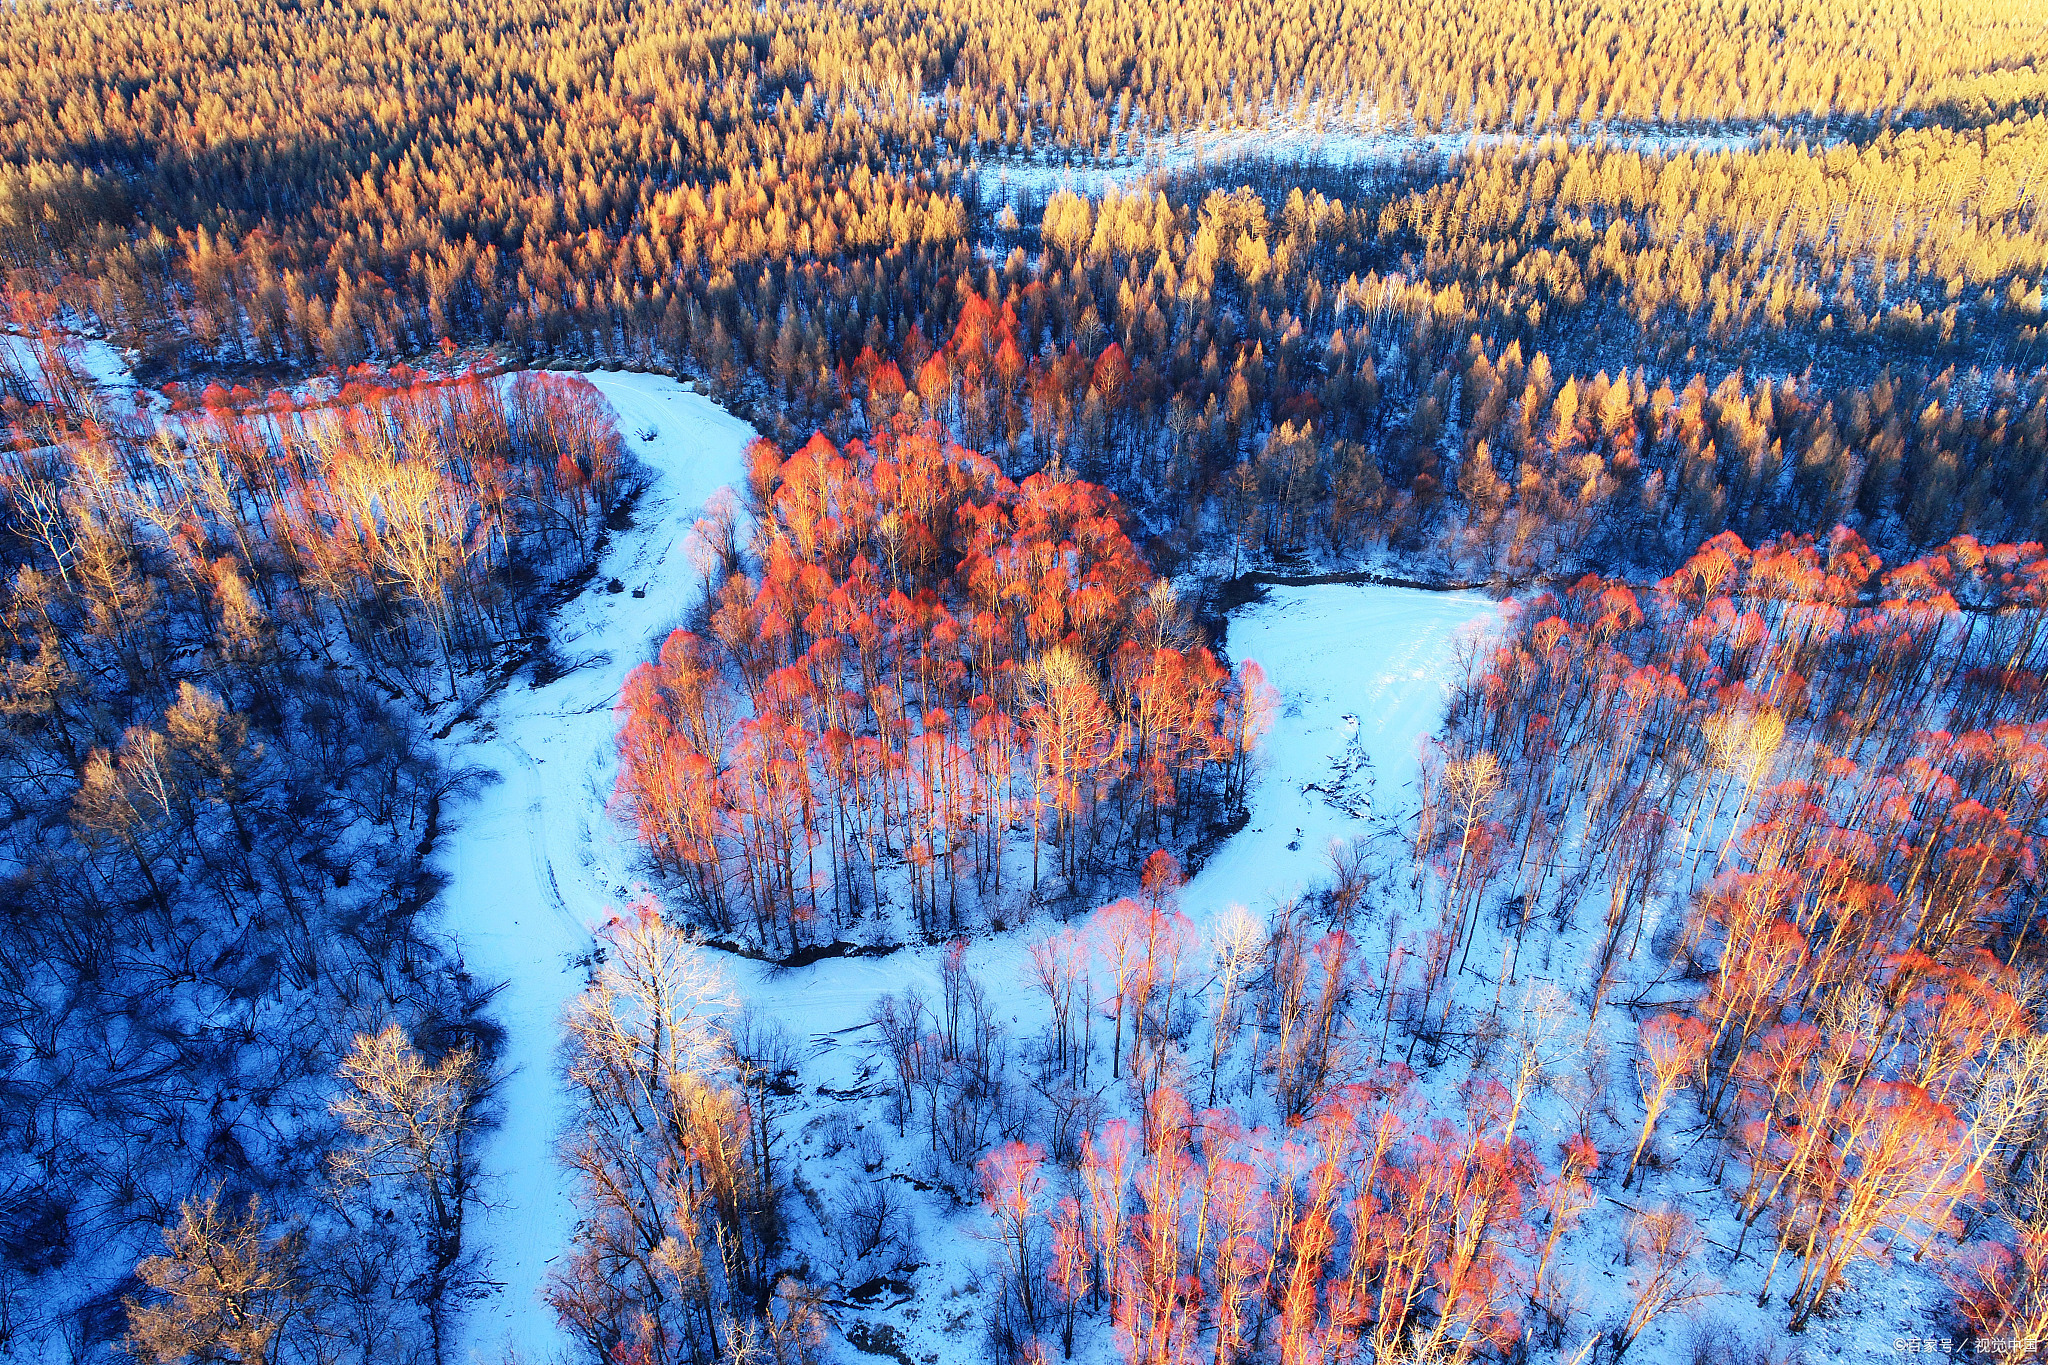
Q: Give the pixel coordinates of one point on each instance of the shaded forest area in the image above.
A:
(231, 1032)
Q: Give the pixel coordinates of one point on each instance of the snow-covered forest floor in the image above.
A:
(1362, 674)
(1453, 769)
(883, 1215)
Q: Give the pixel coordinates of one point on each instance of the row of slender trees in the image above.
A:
(1325, 1198)
(673, 1152)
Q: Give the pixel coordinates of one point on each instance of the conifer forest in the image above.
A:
(1225, 682)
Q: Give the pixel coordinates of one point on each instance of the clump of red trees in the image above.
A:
(1376, 1225)
(1868, 738)
(932, 676)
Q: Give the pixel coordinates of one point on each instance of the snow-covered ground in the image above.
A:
(534, 863)
(90, 357)
(1035, 177)
(1363, 673)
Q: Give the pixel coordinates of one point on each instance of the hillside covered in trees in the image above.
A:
(945, 983)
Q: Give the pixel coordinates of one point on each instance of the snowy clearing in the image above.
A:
(1034, 177)
(1363, 673)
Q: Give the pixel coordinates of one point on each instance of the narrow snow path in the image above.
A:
(1036, 176)
(534, 863)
